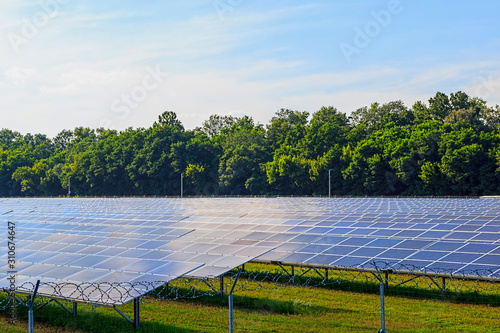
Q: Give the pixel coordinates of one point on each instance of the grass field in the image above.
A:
(284, 309)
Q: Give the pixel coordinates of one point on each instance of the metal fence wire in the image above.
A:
(476, 287)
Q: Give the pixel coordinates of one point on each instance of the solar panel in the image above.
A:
(122, 240)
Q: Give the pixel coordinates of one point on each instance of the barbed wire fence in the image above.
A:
(471, 287)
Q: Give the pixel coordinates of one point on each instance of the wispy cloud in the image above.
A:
(19, 75)
(260, 57)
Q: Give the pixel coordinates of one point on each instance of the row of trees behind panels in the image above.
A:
(448, 146)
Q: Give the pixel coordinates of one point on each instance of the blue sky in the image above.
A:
(119, 64)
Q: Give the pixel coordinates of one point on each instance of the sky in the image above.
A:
(119, 64)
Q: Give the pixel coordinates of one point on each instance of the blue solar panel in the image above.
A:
(369, 252)
(445, 246)
(396, 254)
(322, 259)
(489, 259)
(461, 257)
(350, 262)
(316, 249)
(428, 255)
(438, 234)
(384, 242)
(340, 250)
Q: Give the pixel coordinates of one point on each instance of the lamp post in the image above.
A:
(329, 183)
(182, 184)
(69, 186)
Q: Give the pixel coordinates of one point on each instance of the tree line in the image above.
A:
(448, 146)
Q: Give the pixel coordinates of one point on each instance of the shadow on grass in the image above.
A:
(464, 297)
(53, 318)
(411, 292)
(256, 304)
(272, 280)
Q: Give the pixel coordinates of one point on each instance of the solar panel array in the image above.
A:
(157, 240)
(110, 241)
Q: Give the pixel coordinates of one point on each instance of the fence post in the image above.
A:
(30, 319)
(382, 309)
(31, 303)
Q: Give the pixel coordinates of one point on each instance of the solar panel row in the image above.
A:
(130, 240)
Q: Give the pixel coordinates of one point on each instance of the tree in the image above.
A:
(201, 155)
(421, 112)
(439, 106)
(326, 128)
(287, 127)
(196, 174)
(490, 116)
(216, 125)
(63, 139)
(30, 178)
(169, 118)
(241, 166)
(377, 116)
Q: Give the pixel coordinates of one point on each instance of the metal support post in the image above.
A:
(222, 287)
(387, 279)
(382, 309)
(75, 309)
(231, 325)
(136, 313)
(231, 328)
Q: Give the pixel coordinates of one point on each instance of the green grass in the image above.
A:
(352, 306)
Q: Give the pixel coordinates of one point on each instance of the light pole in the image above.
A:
(182, 183)
(69, 186)
(329, 183)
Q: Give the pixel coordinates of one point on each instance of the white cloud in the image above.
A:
(58, 90)
(93, 77)
(19, 75)
(486, 85)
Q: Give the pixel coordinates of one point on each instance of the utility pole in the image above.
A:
(69, 186)
(329, 183)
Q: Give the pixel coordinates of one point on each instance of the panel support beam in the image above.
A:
(210, 286)
(285, 270)
(123, 315)
(65, 308)
(441, 285)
